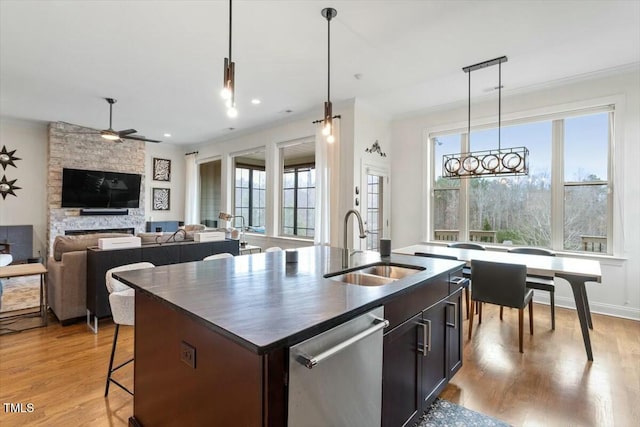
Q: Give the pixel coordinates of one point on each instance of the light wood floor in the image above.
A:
(61, 371)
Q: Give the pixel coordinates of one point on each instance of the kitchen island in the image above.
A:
(212, 337)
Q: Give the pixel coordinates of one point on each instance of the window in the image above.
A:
(519, 210)
(586, 188)
(250, 191)
(375, 188)
(210, 192)
(298, 189)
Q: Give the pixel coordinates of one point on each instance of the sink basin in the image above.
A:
(376, 275)
(362, 279)
(392, 271)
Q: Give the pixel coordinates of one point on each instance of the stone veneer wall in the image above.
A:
(85, 151)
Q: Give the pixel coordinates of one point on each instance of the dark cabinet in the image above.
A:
(454, 333)
(421, 354)
(433, 352)
(401, 401)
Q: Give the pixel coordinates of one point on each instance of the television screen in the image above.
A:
(99, 189)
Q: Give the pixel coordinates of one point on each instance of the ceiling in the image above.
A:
(163, 60)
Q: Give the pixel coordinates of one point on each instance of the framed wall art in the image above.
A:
(161, 199)
(161, 169)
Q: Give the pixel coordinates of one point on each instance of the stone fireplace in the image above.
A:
(69, 149)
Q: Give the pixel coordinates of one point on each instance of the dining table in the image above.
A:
(576, 271)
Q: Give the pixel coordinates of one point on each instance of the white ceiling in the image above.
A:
(163, 60)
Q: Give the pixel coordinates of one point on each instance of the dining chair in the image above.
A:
(504, 285)
(543, 283)
(466, 271)
(465, 283)
(273, 249)
(218, 256)
(122, 302)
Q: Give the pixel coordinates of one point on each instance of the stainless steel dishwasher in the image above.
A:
(335, 378)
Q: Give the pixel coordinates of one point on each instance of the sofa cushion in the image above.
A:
(80, 242)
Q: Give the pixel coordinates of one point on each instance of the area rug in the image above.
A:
(20, 293)
(443, 413)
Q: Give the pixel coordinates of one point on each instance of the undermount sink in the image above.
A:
(392, 271)
(376, 275)
(362, 279)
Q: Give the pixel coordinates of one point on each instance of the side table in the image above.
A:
(35, 269)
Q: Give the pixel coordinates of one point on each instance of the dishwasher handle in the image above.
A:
(311, 361)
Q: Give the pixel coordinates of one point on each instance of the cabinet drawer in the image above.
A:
(421, 297)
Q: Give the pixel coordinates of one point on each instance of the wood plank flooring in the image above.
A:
(62, 370)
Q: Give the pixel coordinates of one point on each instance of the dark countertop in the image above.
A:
(264, 303)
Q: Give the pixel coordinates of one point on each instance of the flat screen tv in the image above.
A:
(99, 189)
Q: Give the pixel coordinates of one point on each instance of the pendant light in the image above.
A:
(503, 161)
(228, 92)
(327, 121)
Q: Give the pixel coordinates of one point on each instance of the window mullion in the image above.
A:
(463, 198)
(295, 201)
(250, 197)
(557, 185)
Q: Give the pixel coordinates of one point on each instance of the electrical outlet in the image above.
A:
(188, 354)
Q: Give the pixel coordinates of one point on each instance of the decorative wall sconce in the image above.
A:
(375, 148)
(7, 158)
(8, 187)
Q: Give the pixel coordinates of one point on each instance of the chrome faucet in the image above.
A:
(363, 233)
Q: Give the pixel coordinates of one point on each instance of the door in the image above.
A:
(375, 199)
(434, 352)
(401, 403)
(454, 333)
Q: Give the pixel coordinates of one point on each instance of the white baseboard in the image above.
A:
(595, 307)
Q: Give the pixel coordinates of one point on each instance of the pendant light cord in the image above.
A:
(230, 22)
(469, 116)
(329, 57)
(499, 100)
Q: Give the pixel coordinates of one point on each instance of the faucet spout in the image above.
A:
(363, 233)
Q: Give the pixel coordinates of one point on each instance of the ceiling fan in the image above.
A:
(117, 135)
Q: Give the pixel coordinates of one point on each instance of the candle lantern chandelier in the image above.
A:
(503, 161)
(228, 92)
(327, 121)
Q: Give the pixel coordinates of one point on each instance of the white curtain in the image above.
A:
(192, 196)
(327, 176)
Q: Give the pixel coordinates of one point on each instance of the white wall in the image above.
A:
(369, 126)
(175, 153)
(268, 139)
(30, 140)
(619, 292)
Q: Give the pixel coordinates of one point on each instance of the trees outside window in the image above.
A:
(520, 210)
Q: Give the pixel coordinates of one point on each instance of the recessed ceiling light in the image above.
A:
(167, 135)
(255, 101)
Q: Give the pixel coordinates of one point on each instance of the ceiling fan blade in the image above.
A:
(138, 138)
(126, 132)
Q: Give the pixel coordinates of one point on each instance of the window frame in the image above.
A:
(558, 183)
(251, 168)
(296, 169)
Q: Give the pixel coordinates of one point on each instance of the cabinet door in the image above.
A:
(454, 333)
(433, 350)
(401, 403)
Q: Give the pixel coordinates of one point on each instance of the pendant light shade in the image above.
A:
(327, 122)
(228, 91)
(503, 161)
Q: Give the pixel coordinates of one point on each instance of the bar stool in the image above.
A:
(122, 302)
